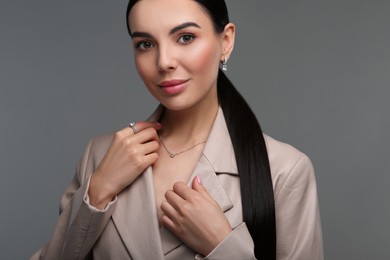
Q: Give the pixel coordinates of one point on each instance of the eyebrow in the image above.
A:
(172, 31)
(183, 26)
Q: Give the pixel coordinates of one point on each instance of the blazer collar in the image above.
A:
(218, 149)
(135, 216)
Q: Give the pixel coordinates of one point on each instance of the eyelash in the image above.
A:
(191, 36)
(141, 44)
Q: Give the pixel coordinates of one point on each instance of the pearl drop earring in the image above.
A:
(224, 64)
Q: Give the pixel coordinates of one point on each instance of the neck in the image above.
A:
(189, 126)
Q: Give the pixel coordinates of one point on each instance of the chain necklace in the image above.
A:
(172, 155)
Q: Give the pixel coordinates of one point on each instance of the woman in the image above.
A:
(198, 179)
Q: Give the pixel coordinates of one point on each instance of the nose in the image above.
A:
(166, 60)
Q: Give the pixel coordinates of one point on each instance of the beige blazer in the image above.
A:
(128, 229)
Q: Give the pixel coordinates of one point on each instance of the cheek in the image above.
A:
(143, 67)
(204, 58)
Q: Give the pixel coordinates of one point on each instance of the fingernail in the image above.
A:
(199, 180)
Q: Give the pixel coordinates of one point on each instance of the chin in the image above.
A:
(175, 107)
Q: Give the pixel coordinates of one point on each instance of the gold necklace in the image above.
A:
(172, 155)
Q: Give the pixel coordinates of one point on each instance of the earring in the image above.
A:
(224, 64)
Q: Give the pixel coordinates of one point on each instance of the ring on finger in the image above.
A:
(132, 125)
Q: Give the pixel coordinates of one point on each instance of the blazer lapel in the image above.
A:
(135, 218)
(214, 188)
(217, 157)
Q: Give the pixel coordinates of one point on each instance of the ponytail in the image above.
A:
(258, 206)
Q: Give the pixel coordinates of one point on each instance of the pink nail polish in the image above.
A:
(199, 180)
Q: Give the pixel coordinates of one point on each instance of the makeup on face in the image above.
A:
(173, 87)
(177, 51)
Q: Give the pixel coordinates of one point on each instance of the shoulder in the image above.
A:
(99, 144)
(282, 155)
(289, 166)
(93, 154)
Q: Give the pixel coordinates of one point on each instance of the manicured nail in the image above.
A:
(199, 180)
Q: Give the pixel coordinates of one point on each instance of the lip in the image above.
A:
(174, 86)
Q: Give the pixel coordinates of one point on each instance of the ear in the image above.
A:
(228, 36)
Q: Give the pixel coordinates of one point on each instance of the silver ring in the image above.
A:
(132, 125)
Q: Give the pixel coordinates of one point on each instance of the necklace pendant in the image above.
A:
(172, 155)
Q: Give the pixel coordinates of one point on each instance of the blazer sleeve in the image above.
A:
(79, 224)
(237, 245)
(298, 224)
(299, 234)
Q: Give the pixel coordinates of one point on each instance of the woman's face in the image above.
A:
(177, 51)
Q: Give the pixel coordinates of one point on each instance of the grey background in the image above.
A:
(315, 72)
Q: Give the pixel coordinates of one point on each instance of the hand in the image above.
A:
(127, 157)
(195, 217)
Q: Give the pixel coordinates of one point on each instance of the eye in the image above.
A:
(144, 45)
(186, 38)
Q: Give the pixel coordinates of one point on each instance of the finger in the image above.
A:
(146, 135)
(181, 189)
(174, 199)
(139, 127)
(150, 147)
(151, 158)
(168, 223)
(145, 161)
(169, 210)
(197, 185)
(142, 125)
